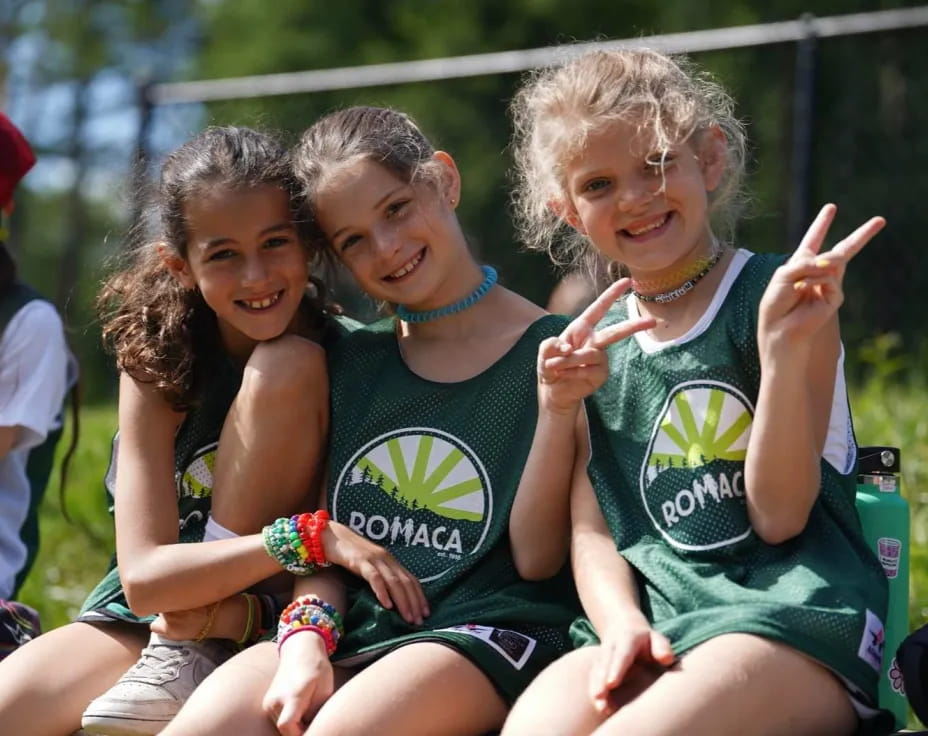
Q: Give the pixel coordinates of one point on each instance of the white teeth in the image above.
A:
(261, 303)
(648, 228)
(403, 270)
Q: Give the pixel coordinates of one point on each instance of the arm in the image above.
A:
(604, 579)
(798, 343)
(783, 465)
(33, 376)
(7, 439)
(304, 679)
(570, 367)
(158, 573)
(538, 522)
(609, 593)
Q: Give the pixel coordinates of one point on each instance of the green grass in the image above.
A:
(74, 555)
(888, 410)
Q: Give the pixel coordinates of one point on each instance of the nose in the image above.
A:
(255, 270)
(386, 240)
(637, 193)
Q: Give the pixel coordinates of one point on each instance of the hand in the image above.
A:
(574, 364)
(303, 682)
(621, 647)
(390, 581)
(183, 625)
(806, 291)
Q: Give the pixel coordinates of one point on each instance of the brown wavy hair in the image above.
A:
(160, 332)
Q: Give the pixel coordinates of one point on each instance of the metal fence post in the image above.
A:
(804, 96)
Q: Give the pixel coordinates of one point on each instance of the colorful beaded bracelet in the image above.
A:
(296, 542)
(312, 614)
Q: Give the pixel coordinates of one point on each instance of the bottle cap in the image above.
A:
(877, 460)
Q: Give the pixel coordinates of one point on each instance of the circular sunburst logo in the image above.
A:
(692, 478)
(419, 491)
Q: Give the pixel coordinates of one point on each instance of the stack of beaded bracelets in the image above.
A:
(262, 613)
(308, 613)
(296, 542)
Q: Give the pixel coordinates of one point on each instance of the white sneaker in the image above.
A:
(145, 699)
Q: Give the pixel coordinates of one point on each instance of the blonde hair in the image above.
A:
(557, 108)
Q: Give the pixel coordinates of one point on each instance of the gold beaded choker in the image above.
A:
(702, 266)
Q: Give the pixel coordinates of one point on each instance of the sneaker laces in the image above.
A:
(158, 663)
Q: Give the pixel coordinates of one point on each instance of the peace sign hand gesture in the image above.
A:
(806, 291)
(573, 365)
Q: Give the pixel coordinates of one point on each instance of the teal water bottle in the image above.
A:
(884, 515)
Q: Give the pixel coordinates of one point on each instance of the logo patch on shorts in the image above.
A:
(872, 641)
(516, 648)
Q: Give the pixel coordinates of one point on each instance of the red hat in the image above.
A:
(16, 158)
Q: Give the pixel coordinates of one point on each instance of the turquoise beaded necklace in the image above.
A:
(489, 278)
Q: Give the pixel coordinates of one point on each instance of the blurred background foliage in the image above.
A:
(70, 72)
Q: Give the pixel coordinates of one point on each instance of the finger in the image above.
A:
(584, 379)
(372, 575)
(579, 357)
(854, 243)
(415, 595)
(811, 269)
(811, 242)
(599, 693)
(614, 333)
(420, 596)
(818, 287)
(290, 720)
(548, 350)
(398, 592)
(552, 347)
(583, 325)
(290, 713)
(661, 649)
(620, 659)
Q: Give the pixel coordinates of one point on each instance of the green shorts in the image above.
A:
(509, 659)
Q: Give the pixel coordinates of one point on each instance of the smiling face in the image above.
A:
(643, 208)
(244, 255)
(401, 241)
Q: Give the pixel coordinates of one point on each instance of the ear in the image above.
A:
(177, 266)
(713, 156)
(450, 178)
(566, 212)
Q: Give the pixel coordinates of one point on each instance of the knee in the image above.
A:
(287, 370)
(332, 720)
(557, 701)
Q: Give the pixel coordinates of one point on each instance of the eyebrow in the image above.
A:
(376, 206)
(223, 240)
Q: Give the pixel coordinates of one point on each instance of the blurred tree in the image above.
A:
(868, 113)
(69, 70)
(72, 69)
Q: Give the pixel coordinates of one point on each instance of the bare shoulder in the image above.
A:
(515, 313)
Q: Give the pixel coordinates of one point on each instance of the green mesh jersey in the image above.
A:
(669, 433)
(195, 446)
(430, 471)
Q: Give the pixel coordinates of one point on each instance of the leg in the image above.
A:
(48, 682)
(734, 682)
(273, 438)
(229, 700)
(420, 688)
(558, 700)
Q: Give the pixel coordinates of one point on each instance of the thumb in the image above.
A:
(290, 720)
(661, 649)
